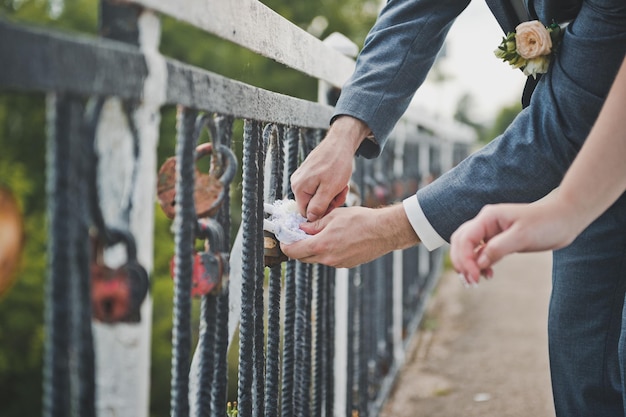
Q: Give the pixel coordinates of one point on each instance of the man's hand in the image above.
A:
(350, 236)
(320, 183)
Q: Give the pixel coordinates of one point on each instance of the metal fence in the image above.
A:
(312, 340)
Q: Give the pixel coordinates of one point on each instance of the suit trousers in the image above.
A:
(587, 320)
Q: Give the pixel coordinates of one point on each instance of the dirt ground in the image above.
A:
(482, 351)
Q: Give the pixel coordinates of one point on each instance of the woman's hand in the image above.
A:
(501, 229)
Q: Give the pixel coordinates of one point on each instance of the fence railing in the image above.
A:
(311, 340)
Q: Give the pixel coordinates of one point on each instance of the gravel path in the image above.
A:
(482, 351)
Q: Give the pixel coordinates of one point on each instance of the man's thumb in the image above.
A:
(313, 228)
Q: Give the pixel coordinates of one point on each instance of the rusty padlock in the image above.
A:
(117, 294)
(208, 188)
(211, 266)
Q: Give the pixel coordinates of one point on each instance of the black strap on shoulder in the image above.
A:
(504, 13)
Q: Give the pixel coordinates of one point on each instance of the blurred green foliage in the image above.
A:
(503, 119)
(23, 167)
(486, 132)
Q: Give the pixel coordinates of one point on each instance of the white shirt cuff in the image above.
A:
(424, 230)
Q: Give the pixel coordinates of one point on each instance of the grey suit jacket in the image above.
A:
(531, 157)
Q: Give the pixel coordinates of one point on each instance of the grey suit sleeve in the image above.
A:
(518, 167)
(398, 53)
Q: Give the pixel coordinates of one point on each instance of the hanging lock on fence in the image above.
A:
(211, 266)
(207, 274)
(208, 188)
(117, 294)
(11, 238)
(272, 255)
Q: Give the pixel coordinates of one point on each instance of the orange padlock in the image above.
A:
(208, 188)
(11, 238)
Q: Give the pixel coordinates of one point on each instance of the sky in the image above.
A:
(473, 68)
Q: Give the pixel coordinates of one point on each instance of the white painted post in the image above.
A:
(123, 350)
(339, 42)
(398, 255)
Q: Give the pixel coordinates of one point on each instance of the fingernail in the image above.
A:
(483, 261)
(311, 217)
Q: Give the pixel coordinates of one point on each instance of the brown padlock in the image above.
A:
(208, 187)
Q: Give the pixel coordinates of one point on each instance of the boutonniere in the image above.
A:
(530, 47)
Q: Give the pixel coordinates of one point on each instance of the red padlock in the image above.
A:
(110, 294)
(206, 273)
(117, 294)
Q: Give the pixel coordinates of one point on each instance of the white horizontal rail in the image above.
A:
(252, 25)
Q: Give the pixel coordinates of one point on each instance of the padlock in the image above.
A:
(209, 270)
(117, 294)
(208, 188)
(211, 266)
(272, 254)
(110, 294)
(11, 239)
(215, 258)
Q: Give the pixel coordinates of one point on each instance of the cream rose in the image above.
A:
(532, 39)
